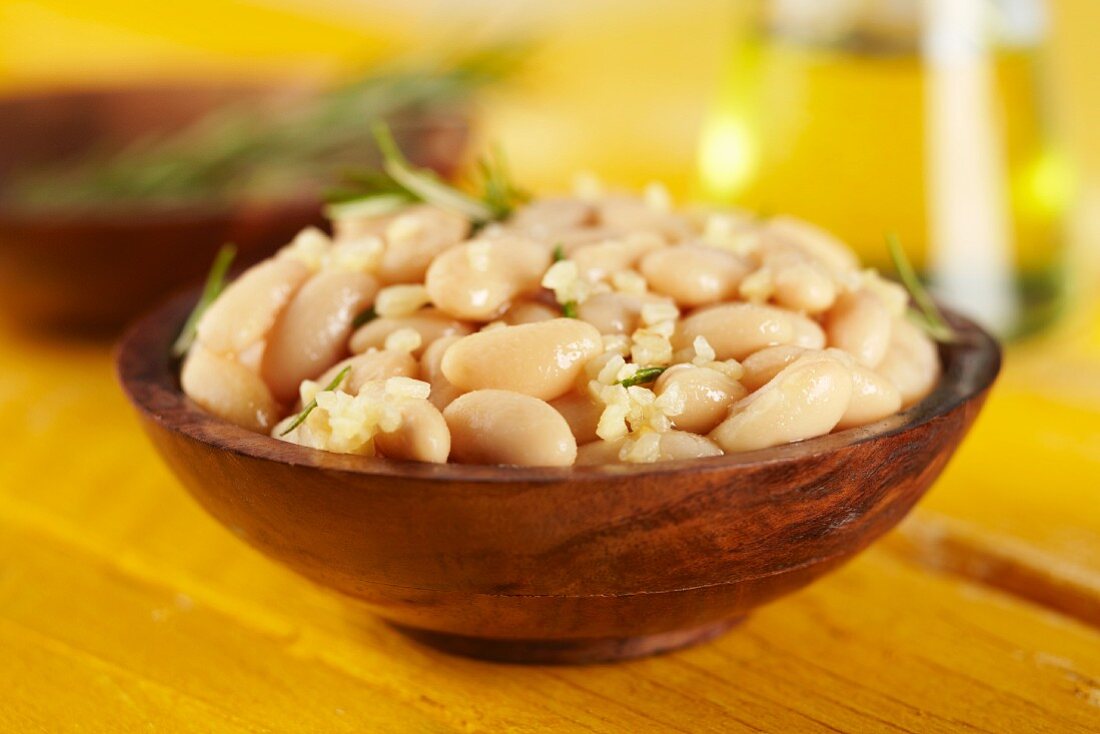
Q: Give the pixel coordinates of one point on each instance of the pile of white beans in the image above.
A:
(522, 344)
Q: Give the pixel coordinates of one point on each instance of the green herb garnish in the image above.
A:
(569, 309)
(643, 376)
(929, 316)
(313, 403)
(259, 146)
(559, 252)
(399, 183)
(363, 317)
(215, 284)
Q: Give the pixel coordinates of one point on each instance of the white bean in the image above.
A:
(615, 313)
(760, 367)
(693, 275)
(599, 260)
(430, 323)
(674, 446)
(873, 398)
(227, 389)
(912, 362)
(799, 282)
(542, 359)
(477, 280)
(414, 238)
(371, 367)
(529, 312)
(312, 332)
(581, 412)
(503, 427)
(814, 241)
(859, 324)
(422, 436)
(806, 399)
(246, 310)
(707, 393)
(443, 392)
(736, 330)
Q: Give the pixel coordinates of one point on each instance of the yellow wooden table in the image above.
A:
(124, 608)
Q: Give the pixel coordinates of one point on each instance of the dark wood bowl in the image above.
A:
(95, 269)
(558, 565)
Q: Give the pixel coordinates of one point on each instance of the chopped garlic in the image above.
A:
(731, 232)
(401, 300)
(893, 295)
(358, 255)
(758, 286)
(587, 186)
(309, 247)
(617, 343)
(643, 448)
(704, 352)
(347, 423)
(404, 229)
(656, 197)
(563, 277)
(632, 409)
(630, 282)
(654, 313)
(404, 340)
(477, 255)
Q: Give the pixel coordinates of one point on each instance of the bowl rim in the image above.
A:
(150, 379)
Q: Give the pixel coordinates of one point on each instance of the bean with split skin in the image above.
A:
(443, 392)
(477, 280)
(707, 394)
(806, 399)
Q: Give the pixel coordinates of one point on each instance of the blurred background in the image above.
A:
(970, 133)
(971, 129)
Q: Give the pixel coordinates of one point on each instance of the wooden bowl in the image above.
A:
(95, 269)
(558, 565)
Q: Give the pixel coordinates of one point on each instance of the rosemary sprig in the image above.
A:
(643, 376)
(312, 404)
(559, 252)
(399, 183)
(215, 284)
(929, 316)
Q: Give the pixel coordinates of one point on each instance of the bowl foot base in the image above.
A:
(569, 652)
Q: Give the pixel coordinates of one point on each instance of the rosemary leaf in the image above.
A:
(313, 403)
(375, 205)
(569, 309)
(364, 317)
(929, 316)
(559, 252)
(643, 376)
(215, 284)
(423, 184)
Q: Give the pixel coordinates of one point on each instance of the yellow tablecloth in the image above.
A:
(124, 608)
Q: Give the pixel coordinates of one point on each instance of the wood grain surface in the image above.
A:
(123, 607)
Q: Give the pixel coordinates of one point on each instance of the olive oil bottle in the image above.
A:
(925, 118)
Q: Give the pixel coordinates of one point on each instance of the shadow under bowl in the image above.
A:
(578, 564)
(92, 269)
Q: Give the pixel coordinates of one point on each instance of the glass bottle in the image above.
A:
(926, 118)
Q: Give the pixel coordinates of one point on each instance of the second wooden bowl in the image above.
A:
(559, 565)
(94, 269)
